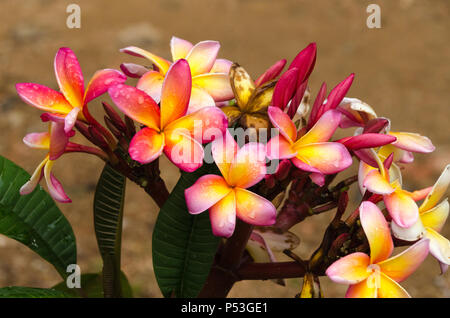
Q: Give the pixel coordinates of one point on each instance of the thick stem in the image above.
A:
(256, 271)
(222, 275)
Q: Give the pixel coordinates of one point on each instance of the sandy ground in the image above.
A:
(401, 69)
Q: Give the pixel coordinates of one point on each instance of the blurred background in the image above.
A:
(402, 70)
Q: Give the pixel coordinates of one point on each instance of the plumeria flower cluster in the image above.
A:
(191, 108)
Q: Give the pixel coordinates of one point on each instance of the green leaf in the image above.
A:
(183, 244)
(29, 292)
(34, 219)
(92, 286)
(108, 214)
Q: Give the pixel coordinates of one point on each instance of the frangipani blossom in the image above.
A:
(55, 141)
(226, 196)
(168, 129)
(377, 275)
(432, 217)
(73, 96)
(210, 82)
(311, 152)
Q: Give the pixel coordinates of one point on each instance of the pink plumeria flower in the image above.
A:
(73, 96)
(210, 82)
(400, 203)
(377, 275)
(311, 152)
(55, 141)
(432, 217)
(226, 196)
(168, 129)
(356, 113)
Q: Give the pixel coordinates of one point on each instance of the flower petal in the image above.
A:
(285, 88)
(271, 73)
(242, 85)
(368, 140)
(162, 64)
(179, 48)
(439, 246)
(101, 81)
(221, 66)
(223, 151)
(223, 216)
(133, 70)
(146, 145)
(202, 56)
(184, 151)
(338, 93)
(326, 157)
(377, 232)
(254, 209)
(37, 140)
(199, 99)
(43, 98)
(350, 269)
(279, 147)
(438, 191)
(305, 61)
(216, 84)
(390, 289)
(70, 119)
(136, 104)
(248, 166)
(58, 140)
(203, 125)
(176, 91)
(412, 142)
(69, 76)
(402, 208)
(54, 186)
(375, 183)
(435, 218)
(31, 184)
(322, 130)
(283, 122)
(362, 290)
(205, 192)
(404, 264)
(151, 83)
(412, 233)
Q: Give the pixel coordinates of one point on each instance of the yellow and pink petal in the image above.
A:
(283, 122)
(248, 166)
(217, 85)
(37, 140)
(362, 289)
(133, 70)
(388, 288)
(202, 56)
(101, 81)
(54, 186)
(279, 147)
(136, 104)
(151, 83)
(223, 151)
(205, 192)
(412, 142)
(254, 209)
(175, 93)
(221, 66)
(223, 216)
(439, 246)
(162, 64)
(179, 48)
(35, 178)
(438, 190)
(69, 76)
(322, 130)
(43, 98)
(402, 208)
(146, 145)
(350, 269)
(435, 218)
(324, 157)
(404, 264)
(377, 232)
(184, 151)
(376, 183)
